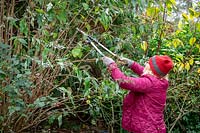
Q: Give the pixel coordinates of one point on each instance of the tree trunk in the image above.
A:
(1, 21)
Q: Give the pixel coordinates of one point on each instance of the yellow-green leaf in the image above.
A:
(198, 71)
(185, 16)
(152, 12)
(187, 66)
(198, 27)
(180, 66)
(198, 46)
(40, 11)
(126, 1)
(177, 42)
(192, 11)
(88, 102)
(179, 57)
(96, 9)
(88, 26)
(173, 1)
(180, 24)
(191, 61)
(192, 40)
(77, 52)
(191, 17)
(144, 45)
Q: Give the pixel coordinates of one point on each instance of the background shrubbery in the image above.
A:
(51, 78)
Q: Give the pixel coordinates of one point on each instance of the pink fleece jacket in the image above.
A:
(143, 106)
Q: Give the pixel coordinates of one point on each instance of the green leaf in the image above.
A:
(40, 11)
(126, 1)
(85, 6)
(60, 120)
(55, 35)
(69, 92)
(62, 16)
(63, 89)
(198, 27)
(87, 83)
(51, 119)
(13, 109)
(4, 46)
(179, 57)
(39, 102)
(2, 72)
(22, 41)
(23, 27)
(49, 6)
(76, 52)
(105, 20)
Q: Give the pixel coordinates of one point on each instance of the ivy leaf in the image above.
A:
(39, 102)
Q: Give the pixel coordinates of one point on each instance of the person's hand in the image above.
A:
(127, 61)
(107, 61)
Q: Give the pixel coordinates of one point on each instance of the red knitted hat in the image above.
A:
(160, 65)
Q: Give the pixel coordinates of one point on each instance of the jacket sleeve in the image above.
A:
(142, 84)
(136, 68)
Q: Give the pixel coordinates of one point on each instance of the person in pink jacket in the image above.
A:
(143, 106)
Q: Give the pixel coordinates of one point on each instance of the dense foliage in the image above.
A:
(50, 77)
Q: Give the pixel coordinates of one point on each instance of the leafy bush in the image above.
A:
(49, 74)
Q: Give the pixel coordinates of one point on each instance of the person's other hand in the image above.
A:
(127, 61)
(107, 61)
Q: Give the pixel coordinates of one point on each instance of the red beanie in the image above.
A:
(160, 65)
